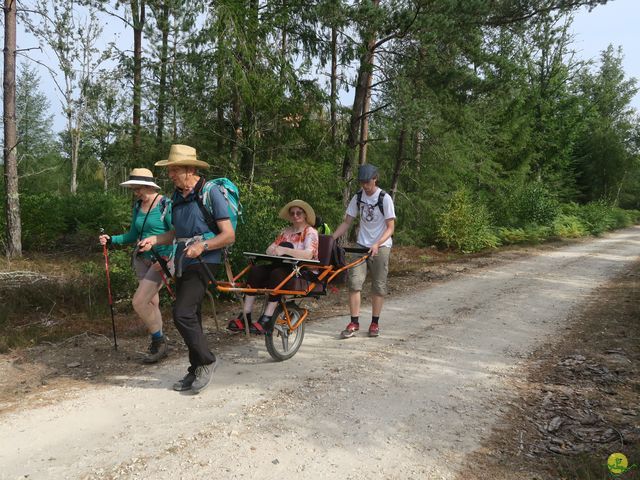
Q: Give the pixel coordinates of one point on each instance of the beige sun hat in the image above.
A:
(182, 156)
(311, 215)
(140, 177)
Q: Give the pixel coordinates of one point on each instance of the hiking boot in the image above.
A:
(374, 331)
(157, 350)
(184, 383)
(204, 374)
(351, 330)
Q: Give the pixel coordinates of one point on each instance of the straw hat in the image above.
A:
(140, 177)
(311, 215)
(182, 156)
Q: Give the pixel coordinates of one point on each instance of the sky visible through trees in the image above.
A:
(613, 23)
(485, 119)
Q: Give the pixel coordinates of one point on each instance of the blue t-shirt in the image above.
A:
(189, 221)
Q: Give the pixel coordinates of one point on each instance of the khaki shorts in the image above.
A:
(378, 267)
(144, 270)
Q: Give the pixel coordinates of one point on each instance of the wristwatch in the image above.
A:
(205, 246)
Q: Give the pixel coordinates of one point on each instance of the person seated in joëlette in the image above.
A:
(299, 240)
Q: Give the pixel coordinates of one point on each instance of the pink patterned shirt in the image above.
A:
(305, 240)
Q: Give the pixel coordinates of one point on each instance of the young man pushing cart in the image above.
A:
(377, 223)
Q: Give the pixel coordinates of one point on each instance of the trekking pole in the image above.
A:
(167, 273)
(106, 267)
(239, 296)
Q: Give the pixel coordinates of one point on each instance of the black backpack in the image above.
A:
(338, 260)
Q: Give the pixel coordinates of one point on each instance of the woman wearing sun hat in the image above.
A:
(151, 216)
(299, 240)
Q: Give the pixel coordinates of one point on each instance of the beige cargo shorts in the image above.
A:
(378, 268)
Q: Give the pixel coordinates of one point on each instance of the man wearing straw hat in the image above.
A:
(198, 246)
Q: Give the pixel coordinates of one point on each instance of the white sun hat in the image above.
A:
(140, 177)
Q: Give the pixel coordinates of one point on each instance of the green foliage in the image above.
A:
(621, 218)
(568, 226)
(121, 274)
(466, 224)
(260, 222)
(312, 181)
(511, 236)
(416, 222)
(537, 233)
(531, 233)
(599, 217)
(48, 218)
(527, 204)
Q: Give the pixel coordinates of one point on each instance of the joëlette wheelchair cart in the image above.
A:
(308, 278)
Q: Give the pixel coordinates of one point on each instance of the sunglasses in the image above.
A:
(295, 213)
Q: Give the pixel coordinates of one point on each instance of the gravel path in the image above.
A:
(409, 404)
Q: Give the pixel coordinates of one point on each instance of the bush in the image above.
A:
(466, 224)
(568, 226)
(621, 218)
(260, 222)
(49, 218)
(416, 221)
(537, 233)
(597, 217)
(527, 205)
(529, 234)
(511, 236)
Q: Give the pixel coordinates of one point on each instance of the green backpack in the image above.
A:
(231, 194)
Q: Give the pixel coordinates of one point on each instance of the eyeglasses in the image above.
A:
(295, 213)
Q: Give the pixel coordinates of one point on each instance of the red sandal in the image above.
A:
(261, 326)
(236, 325)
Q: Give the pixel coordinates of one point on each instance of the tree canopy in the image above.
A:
(483, 97)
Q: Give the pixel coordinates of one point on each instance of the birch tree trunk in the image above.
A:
(14, 229)
(364, 125)
(397, 168)
(138, 14)
(163, 23)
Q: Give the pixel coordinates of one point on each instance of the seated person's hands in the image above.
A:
(281, 250)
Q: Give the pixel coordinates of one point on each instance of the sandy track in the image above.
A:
(409, 404)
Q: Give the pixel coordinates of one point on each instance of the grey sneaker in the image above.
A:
(157, 350)
(204, 374)
(184, 383)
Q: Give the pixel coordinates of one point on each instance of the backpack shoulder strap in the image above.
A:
(163, 205)
(206, 212)
(381, 201)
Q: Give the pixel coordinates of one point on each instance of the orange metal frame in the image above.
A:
(326, 274)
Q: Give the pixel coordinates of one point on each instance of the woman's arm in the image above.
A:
(271, 249)
(164, 239)
(309, 250)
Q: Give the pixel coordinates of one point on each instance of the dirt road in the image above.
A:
(412, 403)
